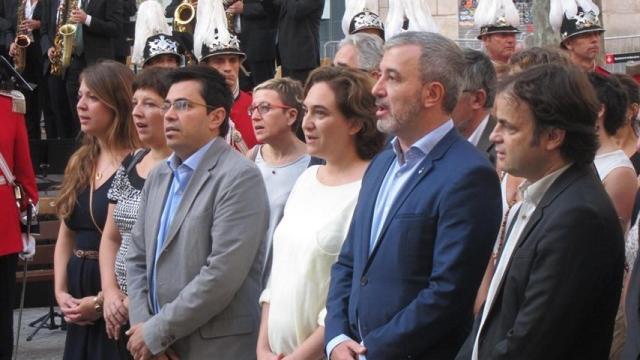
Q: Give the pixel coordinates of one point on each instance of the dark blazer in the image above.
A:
(632, 313)
(484, 144)
(258, 36)
(98, 39)
(561, 289)
(299, 32)
(47, 29)
(8, 13)
(413, 296)
(106, 23)
(33, 55)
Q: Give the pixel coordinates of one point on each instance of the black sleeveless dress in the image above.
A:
(83, 278)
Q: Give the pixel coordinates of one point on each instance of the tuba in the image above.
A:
(184, 17)
(22, 41)
(65, 38)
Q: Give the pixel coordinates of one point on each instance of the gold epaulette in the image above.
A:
(18, 102)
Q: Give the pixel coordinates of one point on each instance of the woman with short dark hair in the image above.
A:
(340, 128)
(149, 90)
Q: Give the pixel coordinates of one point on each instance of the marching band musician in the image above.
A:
(215, 46)
(153, 44)
(29, 12)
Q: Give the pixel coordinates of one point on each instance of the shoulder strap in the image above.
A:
(4, 167)
(136, 159)
(254, 153)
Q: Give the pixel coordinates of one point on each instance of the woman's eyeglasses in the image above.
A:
(264, 108)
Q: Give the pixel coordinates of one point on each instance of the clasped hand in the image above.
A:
(77, 311)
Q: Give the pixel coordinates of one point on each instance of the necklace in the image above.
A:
(98, 174)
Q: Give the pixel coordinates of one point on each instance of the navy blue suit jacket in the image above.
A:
(413, 296)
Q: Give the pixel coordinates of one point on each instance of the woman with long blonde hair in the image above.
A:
(104, 111)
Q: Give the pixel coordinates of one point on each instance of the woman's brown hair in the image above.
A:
(111, 82)
(352, 90)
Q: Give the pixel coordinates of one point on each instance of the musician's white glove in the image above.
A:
(28, 247)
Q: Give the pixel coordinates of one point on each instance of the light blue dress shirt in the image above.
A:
(400, 172)
(182, 171)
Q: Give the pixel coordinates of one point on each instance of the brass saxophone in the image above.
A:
(65, 38)
(184, 17)
(230, 16)
(22, 40)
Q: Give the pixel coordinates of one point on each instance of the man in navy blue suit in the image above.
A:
(426, 220)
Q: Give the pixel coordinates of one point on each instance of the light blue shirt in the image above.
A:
(405, 166)
(182, 171)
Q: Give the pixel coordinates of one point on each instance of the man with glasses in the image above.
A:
(194, 265)
(472, 114)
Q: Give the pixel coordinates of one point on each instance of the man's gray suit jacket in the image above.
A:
(208, 269)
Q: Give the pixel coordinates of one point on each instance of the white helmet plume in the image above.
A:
(149, 21)
(211, 25)
(558, 9)
(489, 11)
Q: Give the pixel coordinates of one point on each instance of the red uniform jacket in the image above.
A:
(14, 146)
(242, 120)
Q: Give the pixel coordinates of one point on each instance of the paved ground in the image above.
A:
(46, 345)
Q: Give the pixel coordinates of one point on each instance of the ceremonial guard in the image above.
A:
(217, 47)
(580, 31)
(498, 22)
(154, 45)
(362, 16)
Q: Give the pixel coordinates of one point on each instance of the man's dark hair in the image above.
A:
(610, 94)
(479, 74)
(560, 97)
(213, 88)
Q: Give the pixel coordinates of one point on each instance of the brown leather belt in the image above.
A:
(86, 254)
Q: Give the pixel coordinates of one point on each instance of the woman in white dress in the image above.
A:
(318, 212)
(614, 167)
(615, 170)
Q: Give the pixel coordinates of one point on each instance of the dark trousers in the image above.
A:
(297, 74)
(33, 74)
(72, 79)
(262, 71)
(58, 104)
(8, 267)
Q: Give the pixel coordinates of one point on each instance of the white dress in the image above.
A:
(605, 163)
(306, 243)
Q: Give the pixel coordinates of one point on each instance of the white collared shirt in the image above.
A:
(477, 133)
(531, 193)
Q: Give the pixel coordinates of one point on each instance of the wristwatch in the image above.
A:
(98, 302)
